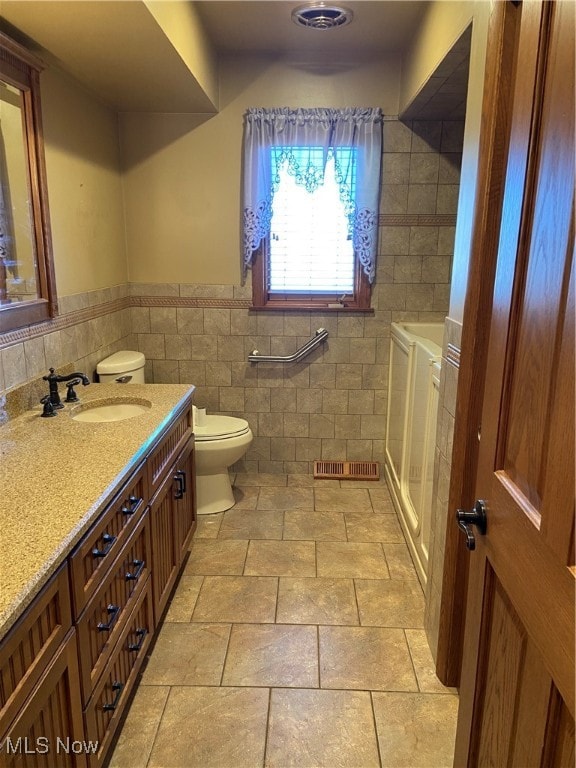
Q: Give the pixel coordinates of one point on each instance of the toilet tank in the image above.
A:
(124, 367)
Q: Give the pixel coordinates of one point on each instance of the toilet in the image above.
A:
(124, 367)
(219, 442)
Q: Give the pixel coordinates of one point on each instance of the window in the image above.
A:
(311, 183)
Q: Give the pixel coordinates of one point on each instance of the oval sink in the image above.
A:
(110, 410)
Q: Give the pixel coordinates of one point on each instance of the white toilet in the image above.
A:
(219, 441)
(124, 367)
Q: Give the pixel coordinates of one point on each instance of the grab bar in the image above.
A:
(319, 337)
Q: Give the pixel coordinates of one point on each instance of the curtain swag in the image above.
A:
(305, 139)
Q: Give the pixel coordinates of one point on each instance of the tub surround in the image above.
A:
(58, 474)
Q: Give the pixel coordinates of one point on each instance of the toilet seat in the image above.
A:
(220, 427)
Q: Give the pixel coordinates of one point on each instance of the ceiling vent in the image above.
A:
(321, 16)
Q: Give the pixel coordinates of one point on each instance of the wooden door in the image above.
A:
(517, 683)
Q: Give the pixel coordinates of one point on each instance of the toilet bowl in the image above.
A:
(220, 441)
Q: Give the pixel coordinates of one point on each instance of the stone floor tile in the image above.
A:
(373, 528)
(365, 658)
(286, 498)
(415, 729)
(309, 481)
(390, 603)
(272, 655)
(316, 601)
(399, 561)
(208, 526)
(423, 662)
(381, 500)
(137, 736)
(212, 728)
(341, 500)
(263, 479)
(181, 607)
(248, 524)
(351, 560)
(281, 558)
(217, 558)
(237, 599)
(314, 526)
(188, 654)
(321, 729)
(245, 497)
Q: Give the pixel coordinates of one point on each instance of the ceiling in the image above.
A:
(118, 51)
(378, 27)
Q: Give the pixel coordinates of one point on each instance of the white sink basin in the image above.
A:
(111, 410)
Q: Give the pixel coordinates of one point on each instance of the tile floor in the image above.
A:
(294, 638)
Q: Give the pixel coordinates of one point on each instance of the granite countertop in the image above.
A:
(57, 475)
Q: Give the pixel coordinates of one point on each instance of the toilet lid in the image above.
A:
(218, 427)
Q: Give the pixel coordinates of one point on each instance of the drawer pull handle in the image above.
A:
(141, 635)
(132, 506)
(182, 474)
(181, 486)
(108, 540)
(114, 611)
(139, 565)
(118, 687)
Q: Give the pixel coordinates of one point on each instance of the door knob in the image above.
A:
(476, 517)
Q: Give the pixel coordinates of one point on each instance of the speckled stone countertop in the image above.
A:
(57, 475)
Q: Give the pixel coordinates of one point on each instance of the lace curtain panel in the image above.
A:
(305, 139)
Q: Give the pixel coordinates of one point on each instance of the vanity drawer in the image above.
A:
(165, 454)
(31, 644)
(101, 624)
(104, 711)
(101, 546)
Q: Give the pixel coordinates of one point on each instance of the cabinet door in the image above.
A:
(185, 511)
(29, 647)
(165, 558)
(49, 731)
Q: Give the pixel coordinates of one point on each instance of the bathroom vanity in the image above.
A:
(96, 520)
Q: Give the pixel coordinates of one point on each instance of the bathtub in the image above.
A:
(414, 380)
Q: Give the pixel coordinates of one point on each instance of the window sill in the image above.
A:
(303, 307)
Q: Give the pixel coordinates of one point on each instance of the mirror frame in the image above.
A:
(20, 68)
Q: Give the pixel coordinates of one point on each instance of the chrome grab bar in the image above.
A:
(319, 337)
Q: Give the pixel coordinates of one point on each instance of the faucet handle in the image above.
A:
(48, 409)
(71, 396)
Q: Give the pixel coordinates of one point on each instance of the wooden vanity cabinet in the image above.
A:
(69, 664)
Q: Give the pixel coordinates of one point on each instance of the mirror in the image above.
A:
(27, 285)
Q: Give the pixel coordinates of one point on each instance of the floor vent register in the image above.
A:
(347, 470)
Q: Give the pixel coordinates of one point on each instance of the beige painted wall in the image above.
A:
(183, 28)
(470, 157)
(84, 187)
(182, 172)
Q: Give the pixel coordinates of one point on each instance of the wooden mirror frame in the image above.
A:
(21, 69)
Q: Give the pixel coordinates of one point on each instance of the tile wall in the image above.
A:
(90, 326)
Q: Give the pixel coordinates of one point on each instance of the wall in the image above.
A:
(442, 515)
(86, 213)
(192, 317)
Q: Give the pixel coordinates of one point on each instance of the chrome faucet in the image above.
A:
(53, 380)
